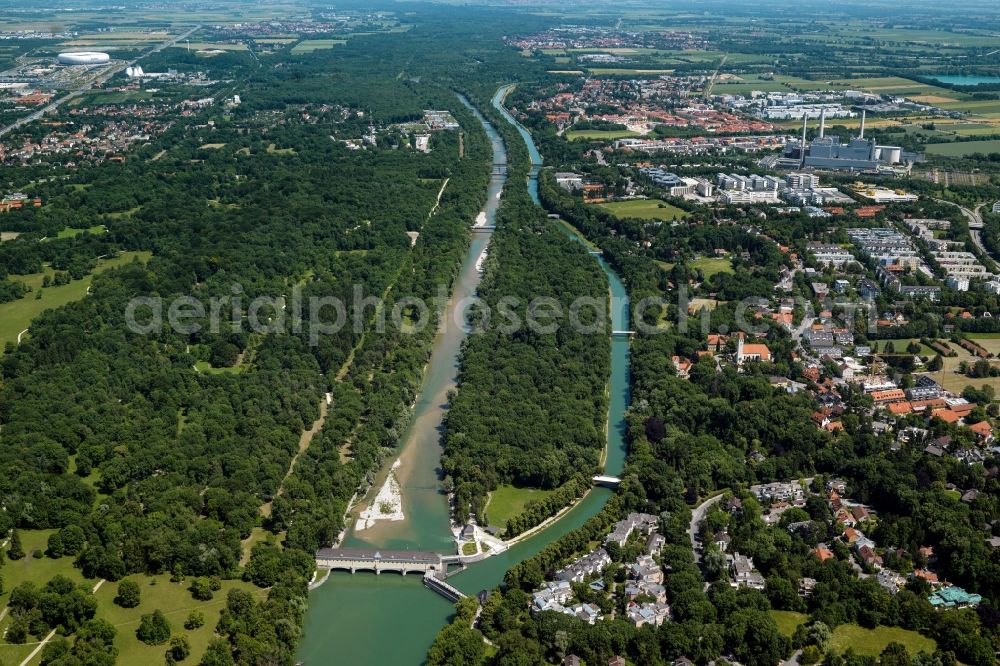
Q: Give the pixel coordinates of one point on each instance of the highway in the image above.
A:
(975, 229)
(99, 78)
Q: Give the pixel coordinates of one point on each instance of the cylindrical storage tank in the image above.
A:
(890, 154)
(84, 58)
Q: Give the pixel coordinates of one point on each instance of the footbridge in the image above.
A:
(401, 561)
(436, 582)
(623, 334)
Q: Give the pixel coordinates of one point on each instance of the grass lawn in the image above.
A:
(709, 266)
(901, 345)
(37, 571)
(469, 549)
(599, 135)
(508, 501)
(211, 146)
(949, 377)
(310, 45)
(174, 600)
(274, 150)
(70, 232)
(644, 209)
(962, 148)
(989, 341)
(788, 621)
(206, 367)
(257, 535)
(871, 642)
(16, 316)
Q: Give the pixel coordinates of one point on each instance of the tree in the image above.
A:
(179, 649)
(154, 628)
(73, 539)
(217, 654)
(55, 545)
(195, 620)
(895, 654)
(16, 550)
(201, 589)
(128, 594)
(819, 634)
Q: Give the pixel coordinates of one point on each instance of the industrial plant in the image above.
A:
(827, 152)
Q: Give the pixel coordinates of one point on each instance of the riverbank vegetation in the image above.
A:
(531, 404)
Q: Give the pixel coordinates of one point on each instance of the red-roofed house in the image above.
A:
(891, 395)
(946, 415)
(823, 553)
(900, 408)
(983, 430)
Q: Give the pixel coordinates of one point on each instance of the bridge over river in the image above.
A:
(368, 559)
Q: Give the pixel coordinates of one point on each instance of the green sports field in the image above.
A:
(644, 209)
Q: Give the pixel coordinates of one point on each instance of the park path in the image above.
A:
(38, 648)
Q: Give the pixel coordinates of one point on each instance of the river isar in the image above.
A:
(383, 620)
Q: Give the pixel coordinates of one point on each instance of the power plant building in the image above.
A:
(827, 152)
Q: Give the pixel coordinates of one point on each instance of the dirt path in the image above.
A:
(304, 441)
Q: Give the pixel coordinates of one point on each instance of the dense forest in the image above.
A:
(163, 466)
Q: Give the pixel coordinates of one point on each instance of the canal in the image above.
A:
(390, 619)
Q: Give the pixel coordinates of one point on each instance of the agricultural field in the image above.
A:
(963, 148)
(989, 108)
(508, 501)
(644, 209)
(615, 70)
(310, 45)
(599, 135)
(208, 46)
(16, 316)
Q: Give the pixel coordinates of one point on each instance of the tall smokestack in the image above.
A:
(802, 146)
(862, 135)
(822, 122)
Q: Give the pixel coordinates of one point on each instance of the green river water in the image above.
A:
(391, 620)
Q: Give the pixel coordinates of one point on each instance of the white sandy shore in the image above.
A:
(387, 505)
